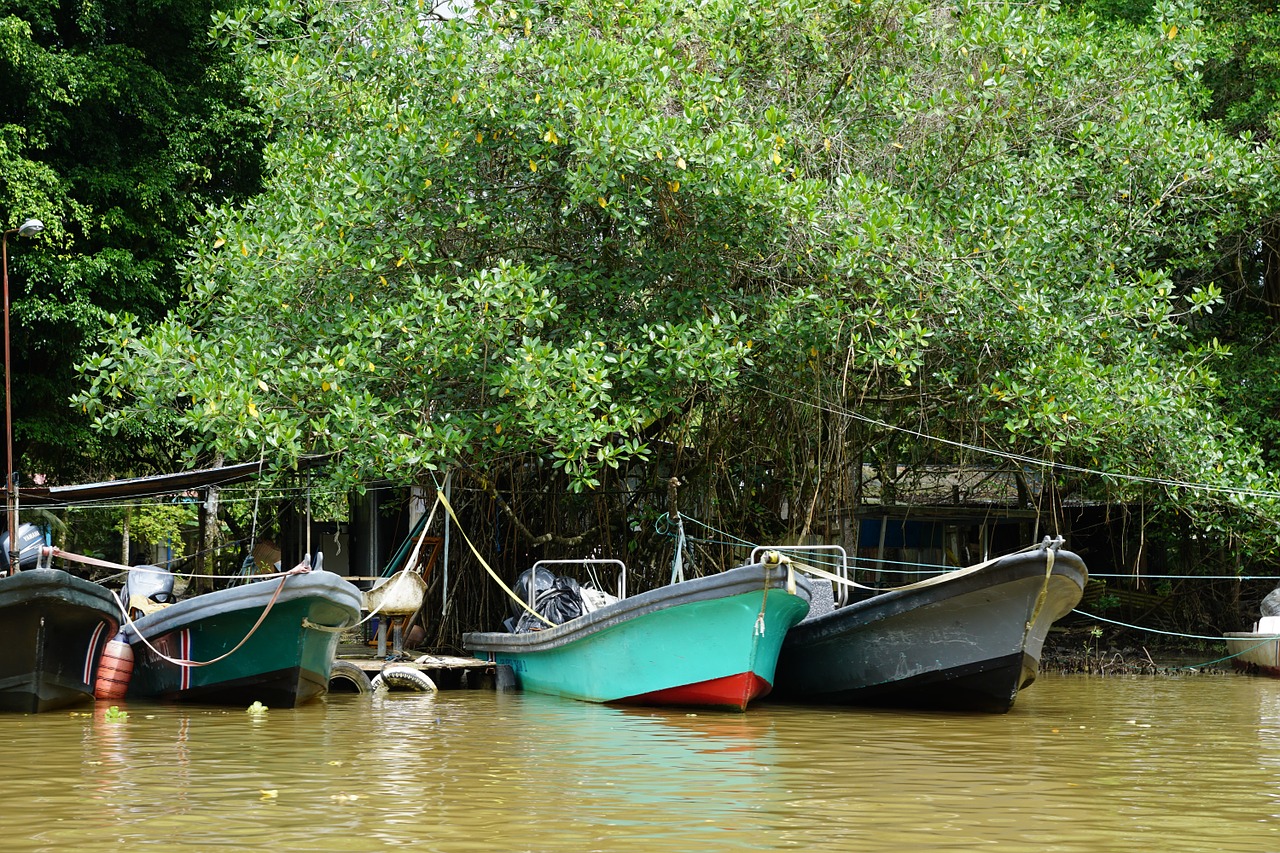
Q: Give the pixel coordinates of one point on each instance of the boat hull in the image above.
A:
(707, 642)
(284, 662)
(1254, 653)
(53, 627)
(967, 640)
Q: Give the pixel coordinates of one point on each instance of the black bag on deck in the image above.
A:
(542, 580)
(560, 603)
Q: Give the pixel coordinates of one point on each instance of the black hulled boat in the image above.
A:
(53, 627)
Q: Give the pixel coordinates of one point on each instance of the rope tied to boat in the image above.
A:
(301, 569)
(48, 552)
(1050, 549)
(773, 558)
(816, 572)
(449, 509)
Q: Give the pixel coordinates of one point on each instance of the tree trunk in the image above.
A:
(1271, 268)
(124, 537)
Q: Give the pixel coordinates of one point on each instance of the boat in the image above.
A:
(968, 639)
(705, 642)
(1256, 652)
(53, 628)
(271, 640)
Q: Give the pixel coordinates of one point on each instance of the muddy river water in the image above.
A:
(1082, 763)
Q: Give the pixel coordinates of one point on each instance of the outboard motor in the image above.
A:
(30, 541)
(151, 583)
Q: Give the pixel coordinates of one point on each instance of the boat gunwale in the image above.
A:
(255, 594)
(1067, 566)
(55, 584)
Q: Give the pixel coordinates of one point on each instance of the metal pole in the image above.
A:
(10, 497)
(26, 229)
(309, 518)
(444, 586)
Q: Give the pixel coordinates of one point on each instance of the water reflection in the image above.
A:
(1081, 764)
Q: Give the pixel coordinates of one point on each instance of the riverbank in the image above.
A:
(1079, 651)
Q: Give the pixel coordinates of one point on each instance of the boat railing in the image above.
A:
(841, 568)
(589, 563)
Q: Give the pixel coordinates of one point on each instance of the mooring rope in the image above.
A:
(301, 568)
(449, 509)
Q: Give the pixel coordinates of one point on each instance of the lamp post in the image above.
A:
(26, 229)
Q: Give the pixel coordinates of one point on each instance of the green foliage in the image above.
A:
(161, 524)
(118, 125)
(558, 232)
(1239, 59)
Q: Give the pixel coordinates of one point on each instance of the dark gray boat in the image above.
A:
(965, 640)
(53, 627)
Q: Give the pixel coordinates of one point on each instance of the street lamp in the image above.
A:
(26, 229)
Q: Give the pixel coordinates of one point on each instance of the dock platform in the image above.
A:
(449, 672)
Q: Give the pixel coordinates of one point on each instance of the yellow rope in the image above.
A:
(449, 509)
(936, 579)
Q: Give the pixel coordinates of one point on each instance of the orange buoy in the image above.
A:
(114, 669)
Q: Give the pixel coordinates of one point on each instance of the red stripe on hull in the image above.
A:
(731, 691)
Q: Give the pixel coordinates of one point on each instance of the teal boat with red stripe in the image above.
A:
(706, 642)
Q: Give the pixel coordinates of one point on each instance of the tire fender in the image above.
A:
(346, 677)
(405, 678)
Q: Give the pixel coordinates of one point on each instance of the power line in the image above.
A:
(1022, 458)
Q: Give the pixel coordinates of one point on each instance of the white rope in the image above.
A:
(1022, 458)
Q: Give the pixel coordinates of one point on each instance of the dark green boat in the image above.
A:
(969, 639)
(271, 641)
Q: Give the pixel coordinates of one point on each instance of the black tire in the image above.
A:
(346, 677)
(405, 678)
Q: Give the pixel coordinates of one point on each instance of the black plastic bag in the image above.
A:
(560, 603)
(543, 580)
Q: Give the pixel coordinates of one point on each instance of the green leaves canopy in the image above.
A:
(118, 124)
(557, 229)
